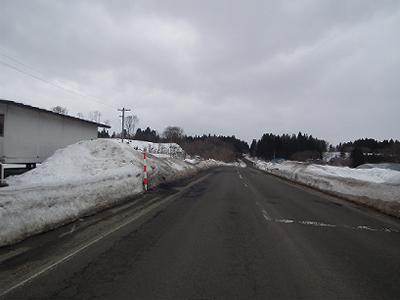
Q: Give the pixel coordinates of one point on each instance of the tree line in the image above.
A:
(369, 150)
(296, 147)
(368, 145)
(219, 147)
(300, 147)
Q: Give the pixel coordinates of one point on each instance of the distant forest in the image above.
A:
(305, 147)
(218, 147)
(225, 148)
(300, 147)
(370, 145)
(296, 147)
(369, 150)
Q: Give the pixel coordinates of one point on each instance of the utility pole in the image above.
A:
(123, 110)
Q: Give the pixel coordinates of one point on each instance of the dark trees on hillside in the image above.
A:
(253, 148)
(357, 157)
(148, 135)
(374, 151)
(212, 148)
(300, 147)
(103, 134)
(173, 134)
(224, 148)
(368, 145)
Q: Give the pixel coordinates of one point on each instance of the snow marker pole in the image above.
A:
(145, 180)
(2, 182)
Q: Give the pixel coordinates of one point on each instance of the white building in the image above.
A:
(29, 135)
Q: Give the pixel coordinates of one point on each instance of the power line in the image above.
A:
(40, 78)
(19, 62)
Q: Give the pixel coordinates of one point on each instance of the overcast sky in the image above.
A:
(328, 68)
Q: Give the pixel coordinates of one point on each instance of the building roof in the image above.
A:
(9, 102)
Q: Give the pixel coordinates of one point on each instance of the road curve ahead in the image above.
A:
(238, 234)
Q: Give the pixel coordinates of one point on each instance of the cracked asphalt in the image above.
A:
(238, 234)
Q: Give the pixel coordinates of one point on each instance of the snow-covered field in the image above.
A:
(80, 179)
(375, 187)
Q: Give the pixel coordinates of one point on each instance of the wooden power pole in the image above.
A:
(123, 110)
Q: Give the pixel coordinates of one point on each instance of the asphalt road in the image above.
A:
(237, 234)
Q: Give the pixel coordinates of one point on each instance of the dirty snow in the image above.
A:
(81, 179)
(329, 156)
(157, 149)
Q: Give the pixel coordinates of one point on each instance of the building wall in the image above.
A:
(3, 110)
(31, 136)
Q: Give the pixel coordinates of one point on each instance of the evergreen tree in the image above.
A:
(357, 157)
(253, 147)
(103, 134)
(287, 146)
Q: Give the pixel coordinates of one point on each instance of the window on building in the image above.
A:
(1, 125)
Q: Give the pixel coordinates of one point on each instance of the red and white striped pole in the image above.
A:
(145, 180)
(2, 181)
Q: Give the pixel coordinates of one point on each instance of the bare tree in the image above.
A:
(173, 134)
(130, 124)
(80, 115)
(95, 116)
(60, 110)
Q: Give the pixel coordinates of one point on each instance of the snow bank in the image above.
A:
(375, 187)
(157, 149)
(211, 162)
(388, 166)
(329, 156)
(78, 180)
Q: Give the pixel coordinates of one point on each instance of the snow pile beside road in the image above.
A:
(329, 156)
(376, 187)
(78, 180)
(388, 166)
(158, 149)
(211, 162)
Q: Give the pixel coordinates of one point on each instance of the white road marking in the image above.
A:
(321, 224)
(314, 223)
(363, 227)
(264, 212)
(265, 215)
(284, 221)
(139, 214)
(268, 218)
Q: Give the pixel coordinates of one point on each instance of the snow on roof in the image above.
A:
(9, 102)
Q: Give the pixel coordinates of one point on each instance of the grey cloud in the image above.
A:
(231, 67)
